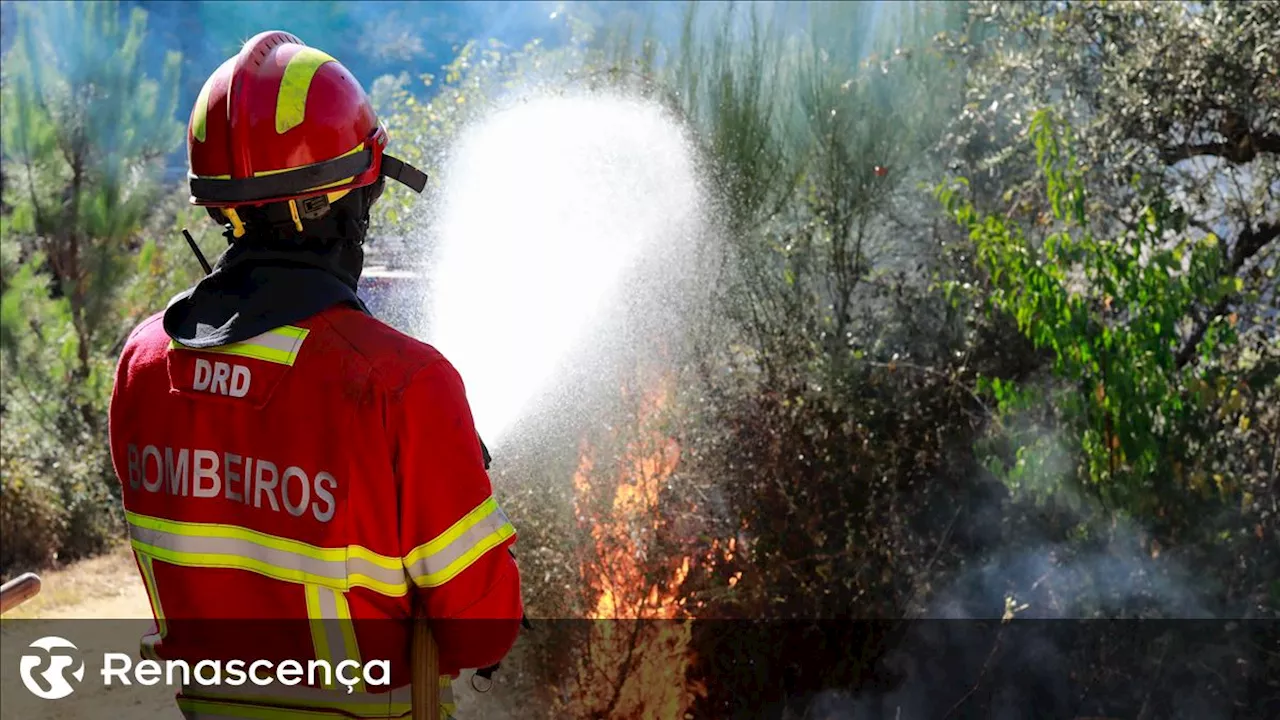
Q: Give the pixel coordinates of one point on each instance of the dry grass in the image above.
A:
(104, 587)
(108, 590)
(108, 587)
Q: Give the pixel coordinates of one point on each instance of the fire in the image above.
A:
(633, 667)
(622, 538)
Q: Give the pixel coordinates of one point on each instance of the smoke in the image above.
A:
(1070, 558)
(1110, 626)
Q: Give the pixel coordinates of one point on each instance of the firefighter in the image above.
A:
(300, 479)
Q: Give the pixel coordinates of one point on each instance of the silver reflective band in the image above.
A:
(440, 560)
(207, 703)
(286, 340)
(332, 636)
(148, 642)
(396, 701)
(341, 573)
(280, 345)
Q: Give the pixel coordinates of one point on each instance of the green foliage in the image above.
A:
(802, 421)
(857, 344)
(794, 129)
(1109, 310)
(81, 148)
(32, 515)
(1162, 99)
(84, 135)
(1153, 301)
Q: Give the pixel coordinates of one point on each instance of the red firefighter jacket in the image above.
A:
(292, 496)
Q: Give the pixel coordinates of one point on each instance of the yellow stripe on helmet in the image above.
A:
(291, 102)
(200, 115)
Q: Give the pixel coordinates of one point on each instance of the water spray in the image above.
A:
(546, 206)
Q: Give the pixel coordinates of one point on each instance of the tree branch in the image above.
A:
(1249, 244)
(1241, 150)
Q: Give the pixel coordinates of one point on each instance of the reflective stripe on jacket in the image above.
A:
(208, 703)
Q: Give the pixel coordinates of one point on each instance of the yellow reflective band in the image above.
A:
(439, 561)
(291, 102)
(265, 173)
(199, 116)
(331, 630)
(343, 181)
(396, 703)
(229, 546)
(319, 637)
(278, 346)
(205, 710)
(149, 640)
(447, 706)
(332, 196)
(350, 646)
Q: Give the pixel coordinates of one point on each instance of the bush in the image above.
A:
(60, 502)
(91, 498)
(33, 519)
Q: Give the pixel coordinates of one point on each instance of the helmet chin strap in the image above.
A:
(403, 172)
(292, 222)
(344, 223)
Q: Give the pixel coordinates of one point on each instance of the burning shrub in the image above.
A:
(632, 660)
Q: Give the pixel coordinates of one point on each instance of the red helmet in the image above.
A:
(282, 121)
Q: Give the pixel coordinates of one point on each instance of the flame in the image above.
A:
(635, 668)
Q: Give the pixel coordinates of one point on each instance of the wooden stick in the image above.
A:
(426, 672)
(18, 590)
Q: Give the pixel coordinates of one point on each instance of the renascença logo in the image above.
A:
(55, 684)
(119, 667)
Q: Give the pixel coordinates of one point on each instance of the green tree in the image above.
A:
(85, 133)
(1155, 297)
(1181, 95)
(1107, 309)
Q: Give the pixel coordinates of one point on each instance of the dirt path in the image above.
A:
(108, 591)
(107, 587)
(101, 605)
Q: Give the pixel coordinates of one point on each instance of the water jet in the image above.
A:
(546, 207)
